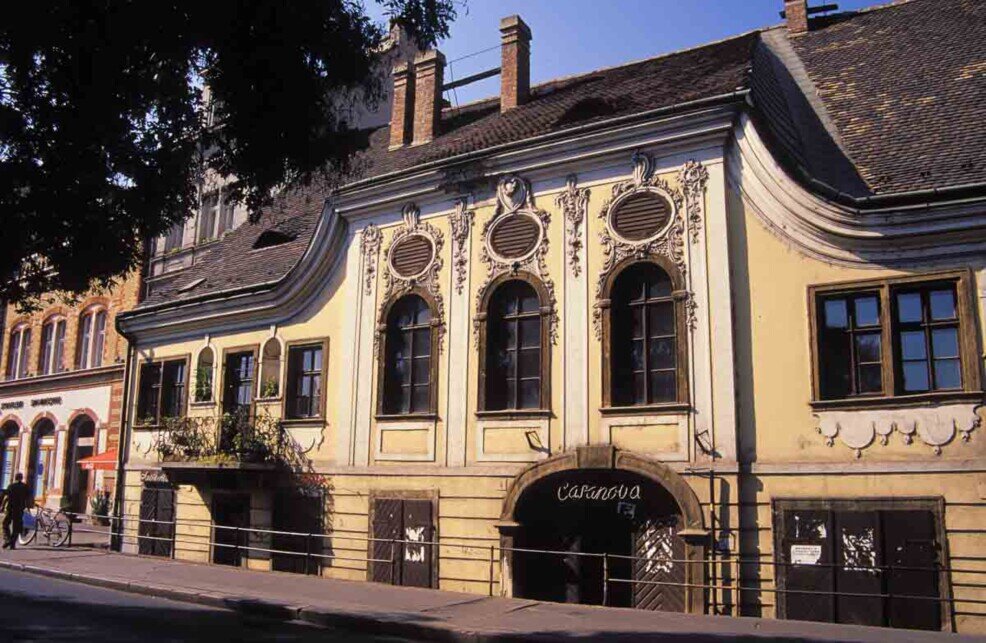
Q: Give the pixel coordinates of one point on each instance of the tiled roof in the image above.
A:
(906, 86)
(903, 86)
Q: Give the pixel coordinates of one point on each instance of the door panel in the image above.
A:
(910, 541)
(295, 512)
(806, 559)
(858, 570)
(657, 554)
(387, 515)
(157, 512)
(229, 510)
(416, 559)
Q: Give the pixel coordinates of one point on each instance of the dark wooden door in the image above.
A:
(157, 515)
(913, 558)
(806, 563)
(230, 513)
(657, 567)
(858, 568)
(402, 529)
(300, 514)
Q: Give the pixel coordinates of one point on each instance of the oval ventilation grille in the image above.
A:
(641, 216)
(411, 255)
(515, 236)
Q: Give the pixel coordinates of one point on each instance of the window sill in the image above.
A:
(409, 417)
(303, 421)
(202, 405)
(897, 401)
(671, 408)
(514, 414)
(267, 400)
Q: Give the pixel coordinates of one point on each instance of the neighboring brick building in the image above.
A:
(61, 394)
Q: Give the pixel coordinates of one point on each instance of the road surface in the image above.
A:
(35, 608)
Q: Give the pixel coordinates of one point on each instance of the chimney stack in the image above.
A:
(796, 14)
(515, 65)
(429, 72)
(402, 113)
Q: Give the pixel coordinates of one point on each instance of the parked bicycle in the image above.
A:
(54, 526)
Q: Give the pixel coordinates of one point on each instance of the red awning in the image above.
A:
(105, 461)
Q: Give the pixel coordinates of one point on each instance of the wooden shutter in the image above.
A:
(411, 255)
(416, 561)
(515, 236)
(658, 552)
(387, 516)
(641, 216)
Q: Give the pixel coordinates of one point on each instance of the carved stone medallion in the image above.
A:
(413, 259)
(515, 239)
(661, 237)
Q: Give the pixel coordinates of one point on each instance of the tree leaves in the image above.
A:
(106, 127)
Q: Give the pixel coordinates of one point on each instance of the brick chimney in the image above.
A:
(515, 64)
(429, 71)
(796, 14)
(402, 112)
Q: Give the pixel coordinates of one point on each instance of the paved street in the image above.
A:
(35, 608)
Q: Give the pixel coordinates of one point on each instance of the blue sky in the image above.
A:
(576, 36)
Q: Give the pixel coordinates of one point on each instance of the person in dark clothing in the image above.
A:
(16, 499)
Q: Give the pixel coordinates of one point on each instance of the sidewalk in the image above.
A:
(415, 613)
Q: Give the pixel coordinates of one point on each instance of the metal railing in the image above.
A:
(237, 436)
(351, 551)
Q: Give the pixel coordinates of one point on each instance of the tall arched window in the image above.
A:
(53, 346)
(9, 433)
(19, 351)
(41, 473)
(270, 369)
(92, 338)
(204, 369)
(516, 355)
(645, 338)
(408, 367)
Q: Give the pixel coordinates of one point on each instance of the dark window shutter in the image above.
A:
(641, 216)
(412, 255)
(514, 236)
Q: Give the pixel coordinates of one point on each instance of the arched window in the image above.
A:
(53, 346)
(9, 433)
(19, 352)
(646, 339)
(41, 473)
(204, 369)
(408, 367)
(515, 367)
(92, 338)
(270, 369)
(77, 482)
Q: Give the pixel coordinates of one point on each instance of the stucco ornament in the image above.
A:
(574, 202)
(461, 223)
(693, 177)
(515, 200)
(369, 247)
(935, 426)
(306, 439)
(396, 285)
(668, 242)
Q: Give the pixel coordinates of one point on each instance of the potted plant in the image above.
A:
(99, 507)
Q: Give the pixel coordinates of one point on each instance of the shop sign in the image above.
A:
(12, 405)
(806, 554)
(568, 491)
(46, 401)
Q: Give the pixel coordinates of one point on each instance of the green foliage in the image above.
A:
(105, 128)
(99, 504)
(203, 384)
(232, 437)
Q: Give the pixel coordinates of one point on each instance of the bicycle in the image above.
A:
(55, 526)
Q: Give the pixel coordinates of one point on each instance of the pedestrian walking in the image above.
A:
(15, 501)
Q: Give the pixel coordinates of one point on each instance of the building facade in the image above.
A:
(699, 333)
(61, 398)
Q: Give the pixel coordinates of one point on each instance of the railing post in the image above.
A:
(393, 561)
(605, 578)
(236, 545)
(308, 553)
(491, 569)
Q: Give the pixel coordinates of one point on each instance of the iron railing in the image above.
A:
(237, 437)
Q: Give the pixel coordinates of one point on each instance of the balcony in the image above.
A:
(232, 441)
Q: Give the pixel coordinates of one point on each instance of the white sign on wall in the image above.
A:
(806, 554)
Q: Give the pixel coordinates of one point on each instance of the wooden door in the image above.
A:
(299, 513)
(416, 559)
(387, 516)
(404, 529)
(658, 552)
(913, 555)
(229, 512)
(157, 514)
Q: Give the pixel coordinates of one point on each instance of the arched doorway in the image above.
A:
(81, 444)
(40, 472)
(629, 532)
(9, 441)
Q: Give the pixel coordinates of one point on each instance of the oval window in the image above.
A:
(411, 255)
(515, 236)
(641, 216)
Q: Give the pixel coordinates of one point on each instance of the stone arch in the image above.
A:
(77, 413)
(605, 457)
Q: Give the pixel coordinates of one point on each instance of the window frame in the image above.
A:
(483, 320)
(286, 383)
(886, 288)
(250, 348)
(139, 384)
(382, 330)
(18, 369)
(87, 337)
(54, 363)
(679, 296)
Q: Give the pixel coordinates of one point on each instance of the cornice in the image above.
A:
(67, 379)
(896, 236)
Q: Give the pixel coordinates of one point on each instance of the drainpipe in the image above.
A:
(123, 448)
